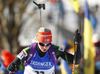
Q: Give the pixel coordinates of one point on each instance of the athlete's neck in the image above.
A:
(41, 54)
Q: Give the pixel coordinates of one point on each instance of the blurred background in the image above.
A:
(20, 20)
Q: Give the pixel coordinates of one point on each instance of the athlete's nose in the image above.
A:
(44, 46)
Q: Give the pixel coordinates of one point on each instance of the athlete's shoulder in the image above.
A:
(27, 48)
(55, 47)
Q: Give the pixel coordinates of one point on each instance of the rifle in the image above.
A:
(40, 6)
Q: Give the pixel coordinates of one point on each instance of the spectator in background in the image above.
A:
(66, 66)
(6, 58)
(96, 41)
(97, 15)
(3, 69)
(68, 46)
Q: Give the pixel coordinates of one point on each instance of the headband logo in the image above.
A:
(46, 39)
(45, 35)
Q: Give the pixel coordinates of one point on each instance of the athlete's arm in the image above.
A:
(60, 52)
(13, 66)
(70, 57)
(22, 56)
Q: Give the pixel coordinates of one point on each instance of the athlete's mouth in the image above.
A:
(44, 50)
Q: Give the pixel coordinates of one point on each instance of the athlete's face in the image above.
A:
(44, 47)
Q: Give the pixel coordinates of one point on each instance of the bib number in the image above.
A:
(39, 72)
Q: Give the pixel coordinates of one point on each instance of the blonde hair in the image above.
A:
(35, 40)
(43, 29)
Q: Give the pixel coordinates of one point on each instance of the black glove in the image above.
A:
(77, 37)
(13, 66)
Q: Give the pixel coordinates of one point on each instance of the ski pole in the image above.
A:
(76, 41)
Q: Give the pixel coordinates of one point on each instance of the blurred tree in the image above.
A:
(10, 22)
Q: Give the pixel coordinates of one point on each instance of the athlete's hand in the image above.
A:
(13, 66)
(77, 37)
